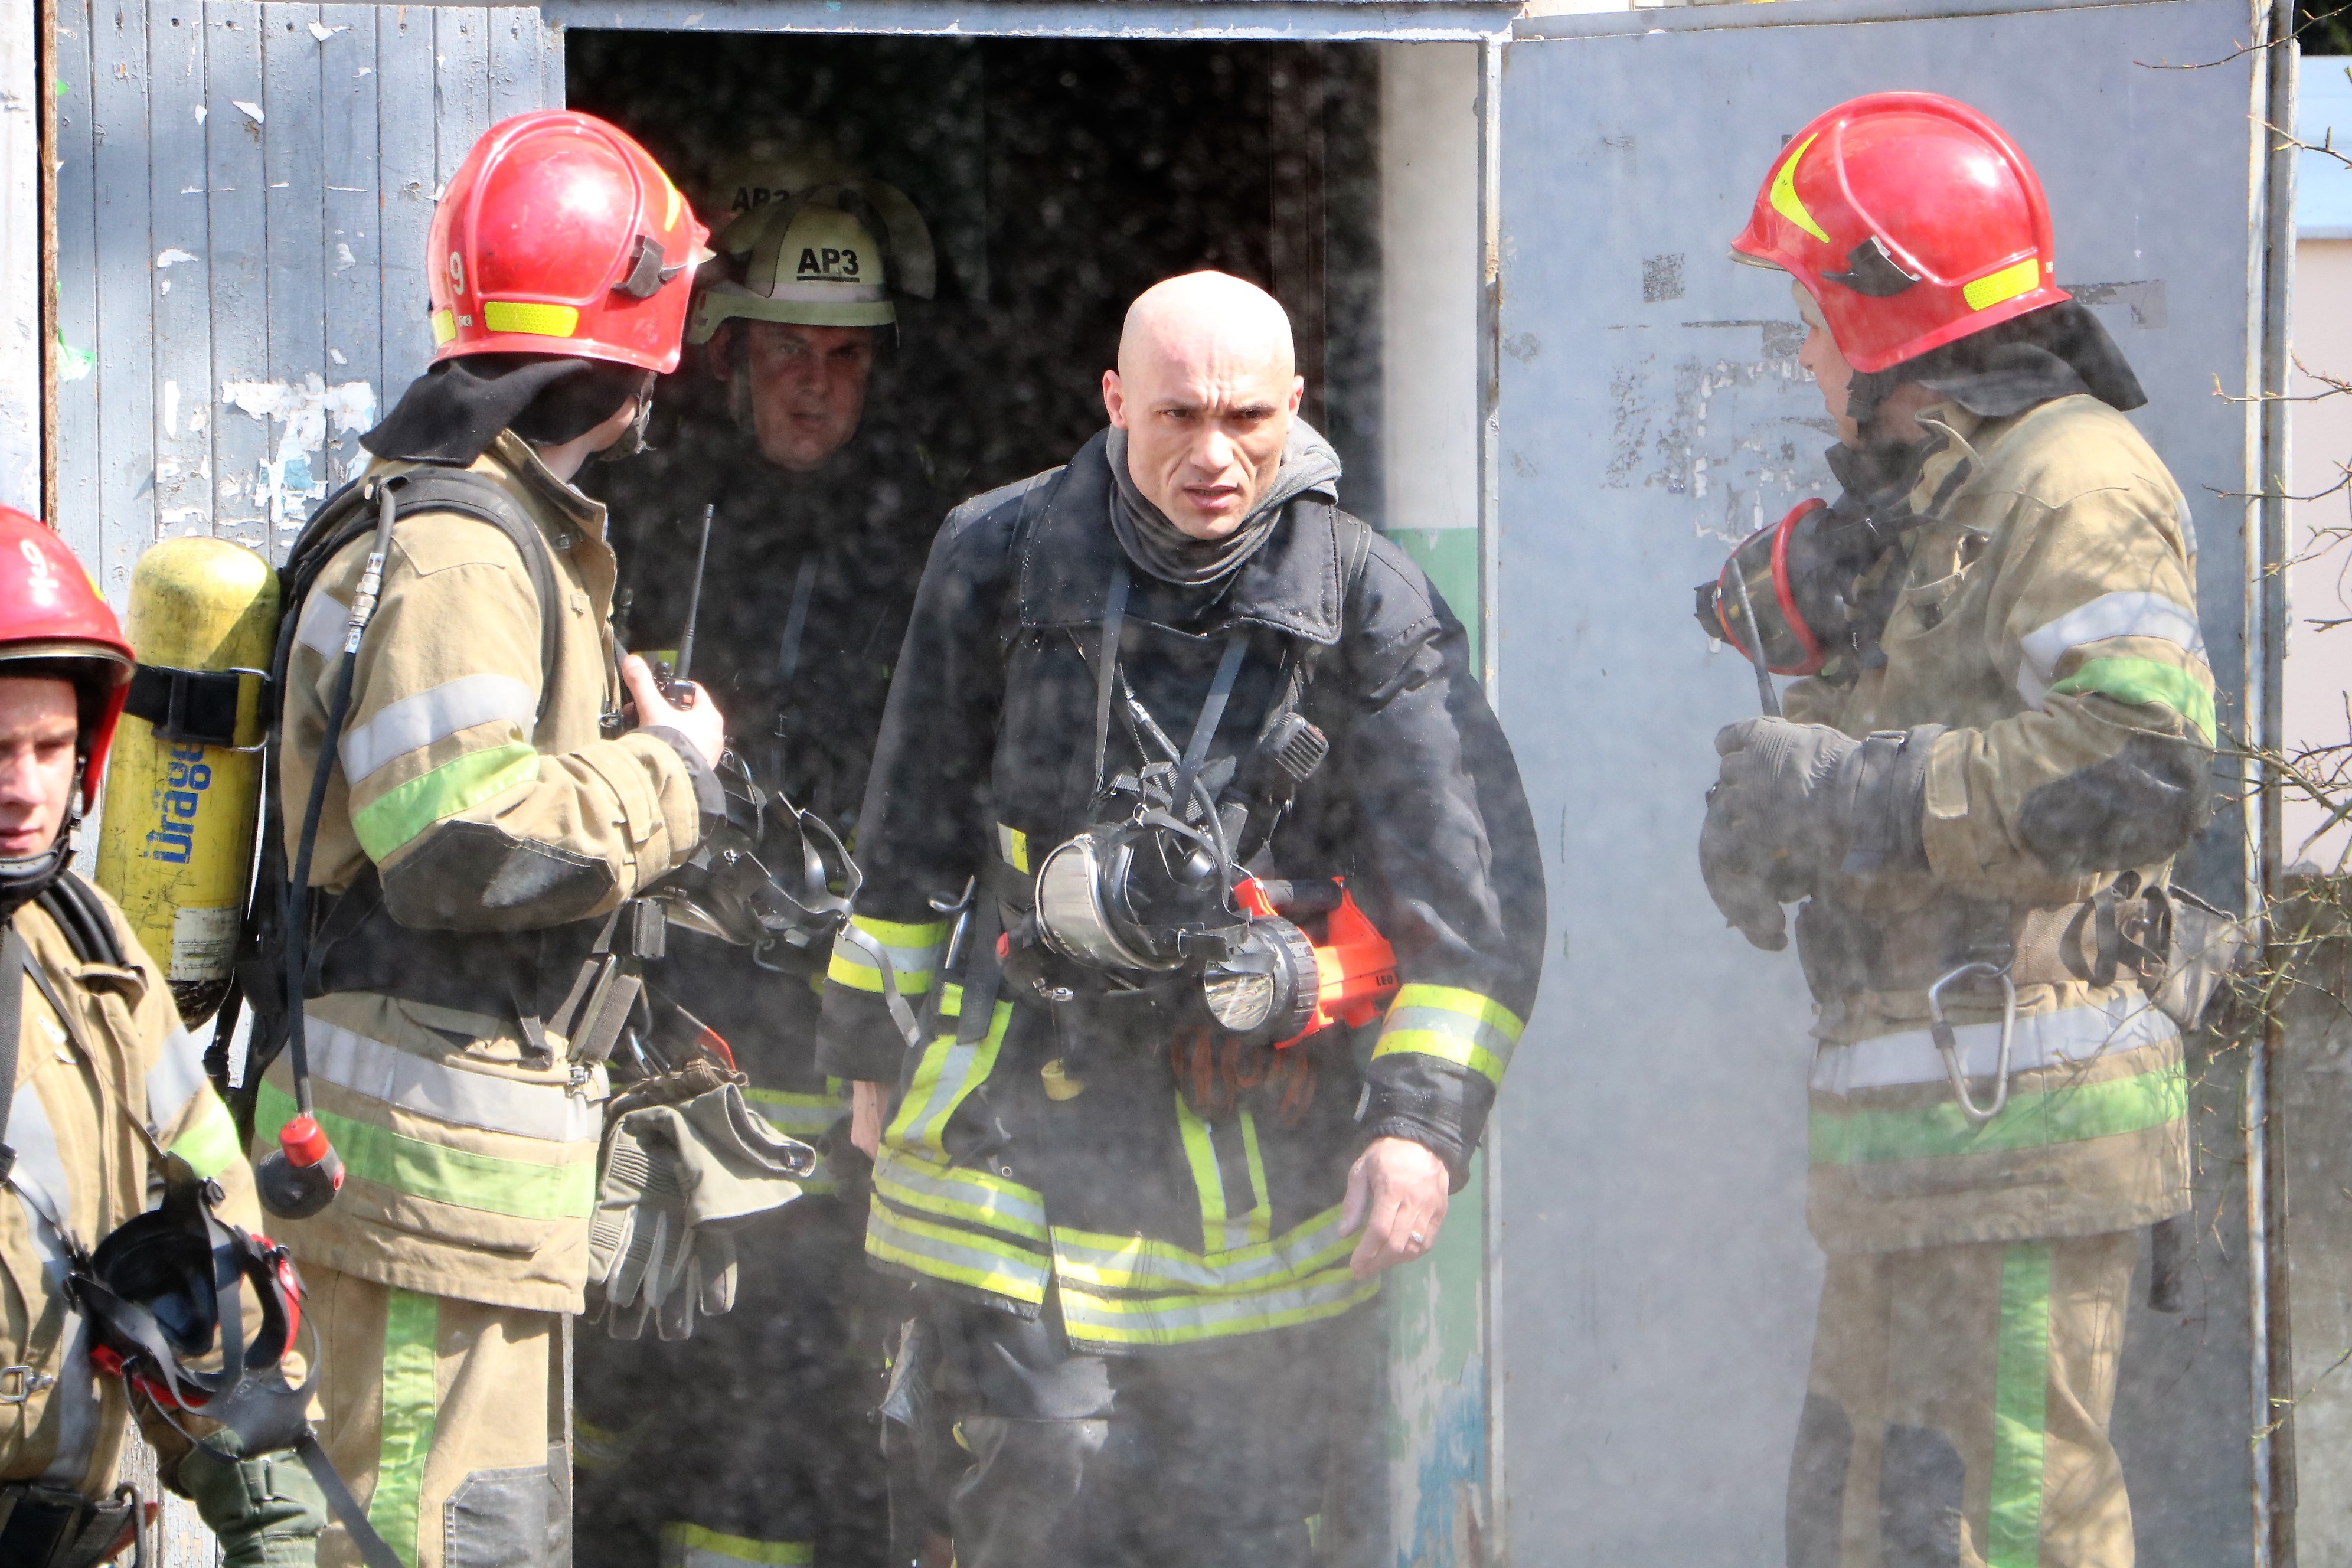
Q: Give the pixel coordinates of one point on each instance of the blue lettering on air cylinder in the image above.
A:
(189, 777)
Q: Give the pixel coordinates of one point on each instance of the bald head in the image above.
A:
(1205, 389)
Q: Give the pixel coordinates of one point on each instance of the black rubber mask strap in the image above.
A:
(1212, 713)
(1107, 668)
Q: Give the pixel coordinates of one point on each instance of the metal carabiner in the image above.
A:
(1947, 1043)
(19, 1383)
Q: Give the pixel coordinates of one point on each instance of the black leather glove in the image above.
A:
(1795, 804)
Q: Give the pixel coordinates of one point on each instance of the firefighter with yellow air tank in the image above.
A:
(1999, 744)
(103, 1102)
(470, 793)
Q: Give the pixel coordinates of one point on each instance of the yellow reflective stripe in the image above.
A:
(1785, 200)
(409, 1396)
(1261, 1219)
(912, 949)
(685, 1545)
(209, 1143)
(2017, 278)
(1013, 847)
(402, 812)
(1136, 1263)
(798, 1113)
(960, 1192)
(1452, 1025)
(1208, 1182)
(535, 317)
(1191, 1319)
(948, 1072)
(1220, 1231)
(956, 1255)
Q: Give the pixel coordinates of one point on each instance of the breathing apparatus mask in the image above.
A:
(1793, 595)
(1159, 901)
(765, 877)
(161, 1291)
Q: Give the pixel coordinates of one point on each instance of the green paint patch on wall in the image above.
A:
(1450, 556)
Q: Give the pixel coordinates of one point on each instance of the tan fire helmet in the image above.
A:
(827, 256)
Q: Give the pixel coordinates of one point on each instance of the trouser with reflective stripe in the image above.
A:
(1212, 1457)
(1956, 1412)
(753, 1443)
(447, 1418)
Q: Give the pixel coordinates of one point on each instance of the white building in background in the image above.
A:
(2319, 661)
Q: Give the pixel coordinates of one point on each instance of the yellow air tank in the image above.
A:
(176, 842)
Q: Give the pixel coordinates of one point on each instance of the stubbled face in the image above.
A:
(806, 386)
(39, 723)
(1206, 411)
(1821, 356)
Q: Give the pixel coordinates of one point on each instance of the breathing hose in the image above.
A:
(302, 1174)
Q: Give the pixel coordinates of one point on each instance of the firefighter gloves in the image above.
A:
(267, 1512)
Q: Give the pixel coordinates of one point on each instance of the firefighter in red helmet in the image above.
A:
(101, 1095)
(1979, 791)
(499, 788)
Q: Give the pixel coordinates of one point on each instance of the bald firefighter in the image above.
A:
(462, 879)
(103, 1099)
(2000, 744)
(1144, 1184)
(754, 1440)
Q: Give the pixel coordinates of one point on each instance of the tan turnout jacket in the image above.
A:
(2049, 618)
(485, 803)
(81, 1083)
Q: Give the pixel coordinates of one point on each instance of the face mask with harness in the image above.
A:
(158, 1294)
(1154, 910)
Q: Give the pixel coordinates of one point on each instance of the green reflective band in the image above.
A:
(2071, 1114)
(959, 1256)
(691, 1546)
(1191, 1319)
(521, 1188)
(1137, 1263)
(909, 1181)
(412, 1331)
(2138, 681)
(2020, 1407)
(911, 949)
(209, 1142)
(400, 814)
(945, 1076)
(1452, 1025)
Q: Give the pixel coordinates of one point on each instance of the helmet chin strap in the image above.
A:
(25, 878)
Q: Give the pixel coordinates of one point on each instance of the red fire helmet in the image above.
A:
(559, 234)
(1911, 219)
(51, 611)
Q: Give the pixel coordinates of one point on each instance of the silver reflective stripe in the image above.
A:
(1140, 1265)
(919, 1244)
(323, 625)
(960, 1194)
(2071, 1035)
(418, 720)
(175, 1079)
(1449, 1021)
(1162, 1320)
(41, 1182)
(2131, 614)
(543, 1111)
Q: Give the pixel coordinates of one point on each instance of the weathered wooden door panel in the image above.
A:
(243, 194)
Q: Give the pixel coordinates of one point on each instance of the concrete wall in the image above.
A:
(20, 258)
